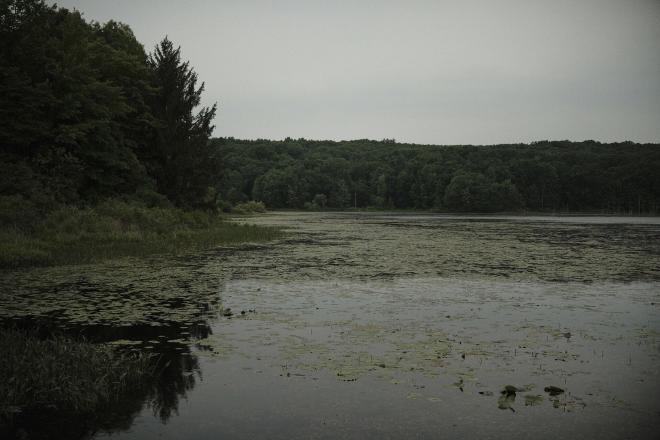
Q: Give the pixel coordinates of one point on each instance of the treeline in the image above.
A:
(86, 114)
(104, 148)
(543, 176)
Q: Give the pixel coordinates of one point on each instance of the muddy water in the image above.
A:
(379, 326)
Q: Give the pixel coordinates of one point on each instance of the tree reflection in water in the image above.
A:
(159, 306)
(172, 374)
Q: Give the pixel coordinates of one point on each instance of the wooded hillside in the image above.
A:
(543, 176)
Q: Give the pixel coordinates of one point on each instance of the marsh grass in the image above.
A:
(61, 374)
(71, 235)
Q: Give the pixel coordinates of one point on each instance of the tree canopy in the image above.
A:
(86, 113)
(543, 176)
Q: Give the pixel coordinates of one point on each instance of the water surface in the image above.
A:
(376, 325)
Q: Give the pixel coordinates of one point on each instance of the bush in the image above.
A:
(152, 199)
(17, 211)
(223, 206)
(250, 207)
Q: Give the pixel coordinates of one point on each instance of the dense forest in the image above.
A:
(543, 176)
(87, 115)
(104, 148)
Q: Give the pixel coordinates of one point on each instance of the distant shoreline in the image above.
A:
(469, 213)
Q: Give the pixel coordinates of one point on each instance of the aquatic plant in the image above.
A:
(58, 373)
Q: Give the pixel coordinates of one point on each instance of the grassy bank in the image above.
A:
(62, 374)
(71, 235)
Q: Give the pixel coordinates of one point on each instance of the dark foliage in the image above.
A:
(86, 114)
(182, 162)
(543, 176)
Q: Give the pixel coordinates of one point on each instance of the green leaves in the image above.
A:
(93, 116)
(62, 98)
(181, 161)
(550, 176)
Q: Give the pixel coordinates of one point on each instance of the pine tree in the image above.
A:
(182, 161)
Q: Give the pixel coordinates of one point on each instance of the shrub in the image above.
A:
(250, 207)
(15, 210)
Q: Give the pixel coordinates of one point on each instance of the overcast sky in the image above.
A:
(441, 72)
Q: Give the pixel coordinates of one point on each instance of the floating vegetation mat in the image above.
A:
(377, 326)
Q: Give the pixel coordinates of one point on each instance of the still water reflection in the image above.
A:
(374, 325)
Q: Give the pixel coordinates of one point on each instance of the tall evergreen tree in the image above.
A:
(182, 161)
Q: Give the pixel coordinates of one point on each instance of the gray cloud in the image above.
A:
(421, 71)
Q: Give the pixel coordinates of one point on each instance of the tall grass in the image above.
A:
(71, 235)
(62, 374)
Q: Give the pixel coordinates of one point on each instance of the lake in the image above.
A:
(376, 325)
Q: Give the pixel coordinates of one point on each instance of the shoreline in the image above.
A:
(472, 213)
